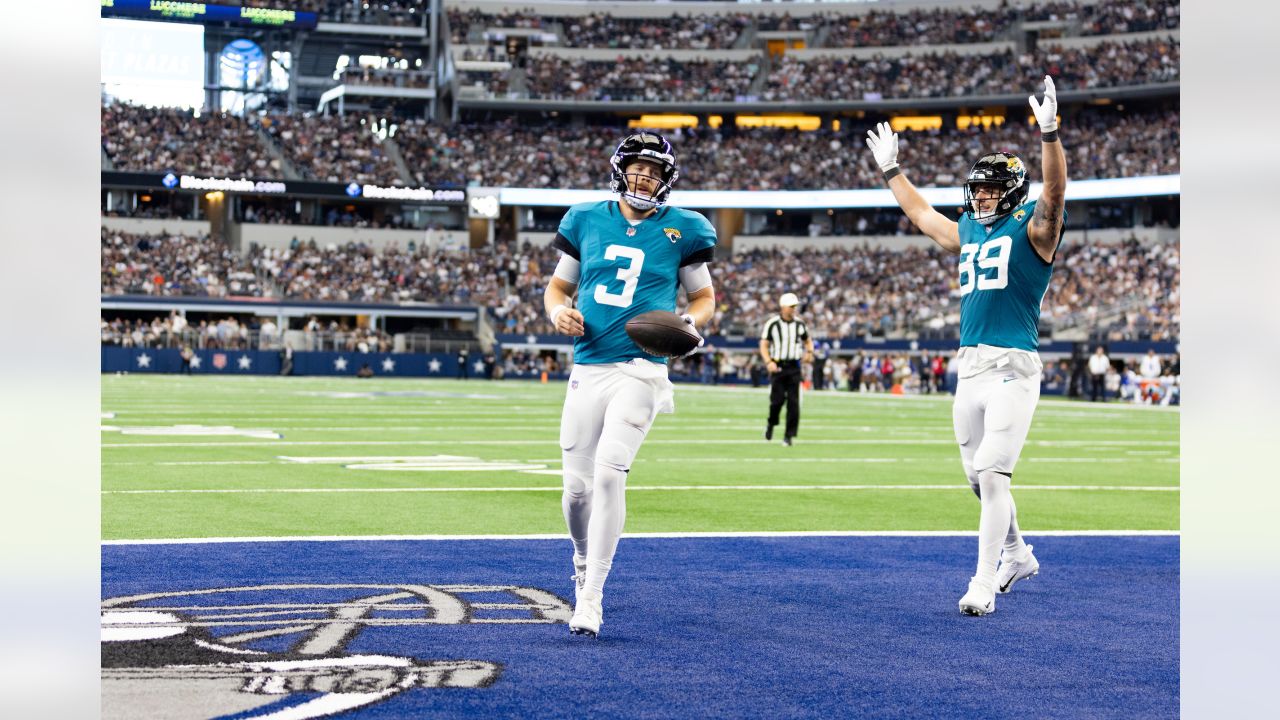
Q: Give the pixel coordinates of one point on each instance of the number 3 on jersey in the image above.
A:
(998, 247)
(629, 275)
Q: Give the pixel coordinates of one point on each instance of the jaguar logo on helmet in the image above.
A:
(1004, 170)
(650, 147)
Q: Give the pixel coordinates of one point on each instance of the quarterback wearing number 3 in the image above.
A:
(1006, 246)
(622, 258)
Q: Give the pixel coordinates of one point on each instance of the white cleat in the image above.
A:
(579, 577)
(980, 600)
(1013, 571)
(588, 614)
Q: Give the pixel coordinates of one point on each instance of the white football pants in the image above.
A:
(992, 416)
(607, 413)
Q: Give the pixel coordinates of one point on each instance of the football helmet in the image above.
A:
(643, 146)
(1004, 170)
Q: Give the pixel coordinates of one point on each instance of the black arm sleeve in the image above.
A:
(562, 244)
(699, 256)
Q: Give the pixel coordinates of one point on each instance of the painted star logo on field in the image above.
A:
(244, 362)
(479, 366)
(388, 365)
(433, 365)
(340, 364)
(195, 362)
(144, 360)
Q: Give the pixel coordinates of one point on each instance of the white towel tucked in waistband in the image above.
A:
(656, 375)
(977, 360)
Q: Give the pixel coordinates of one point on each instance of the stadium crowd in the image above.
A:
(1127, 289)
(875, 28)
(173, 264)
(1099, 143)
(332, 149)
(647, 79)
(684, 32)
(158, 139)
(949, 74)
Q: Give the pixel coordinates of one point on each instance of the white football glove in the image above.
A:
(701, 340)
(883, 142)
(1046, 112)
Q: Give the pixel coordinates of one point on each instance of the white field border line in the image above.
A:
(654, 535)
(635, 488)
(651, 441)
(556, 461)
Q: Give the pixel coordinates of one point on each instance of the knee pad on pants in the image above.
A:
(615, 455)
(578, 477)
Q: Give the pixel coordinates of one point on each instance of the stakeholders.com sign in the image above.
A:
(191, 182)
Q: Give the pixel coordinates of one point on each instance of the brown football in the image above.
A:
(662, 333)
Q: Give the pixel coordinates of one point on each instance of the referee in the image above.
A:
(784, 344)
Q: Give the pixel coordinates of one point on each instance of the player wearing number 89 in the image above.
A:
(1006, 246)
(622, 258)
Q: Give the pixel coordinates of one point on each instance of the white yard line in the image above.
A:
(682, 461)
(560, 537)
(652, 441)
(634, 488)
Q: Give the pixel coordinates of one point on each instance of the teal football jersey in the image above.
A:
(1002, 282)
(625, 271)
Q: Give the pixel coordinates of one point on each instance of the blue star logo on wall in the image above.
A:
(144, 360)
(433, 365)
(169, 180)
(353, 190)
(388, 365)
(195, 362)
(340, 364)
(244, 362)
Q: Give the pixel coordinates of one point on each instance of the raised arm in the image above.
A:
(883, 142)
(1045, 228)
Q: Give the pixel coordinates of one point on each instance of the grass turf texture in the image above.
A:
(714, 439)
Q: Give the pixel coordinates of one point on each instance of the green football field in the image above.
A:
(429, 457)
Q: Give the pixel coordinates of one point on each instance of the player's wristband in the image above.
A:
(1049, 137)
(555, 312)
(892, 172)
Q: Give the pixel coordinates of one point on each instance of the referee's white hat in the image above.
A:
(788, 300)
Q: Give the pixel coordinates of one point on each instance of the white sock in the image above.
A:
(577, 515)
(1015, 548)
(576, 500)
(608, 514)
(993, 524)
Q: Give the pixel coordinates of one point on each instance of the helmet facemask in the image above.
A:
(1003, 170)
(652, 148)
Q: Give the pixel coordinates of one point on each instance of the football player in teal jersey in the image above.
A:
(1006, 246)
(620, 258)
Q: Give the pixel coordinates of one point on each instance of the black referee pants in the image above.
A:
(786, 389)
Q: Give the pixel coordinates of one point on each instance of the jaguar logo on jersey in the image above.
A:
(672, 234)
(281, 650)
(1019, 215)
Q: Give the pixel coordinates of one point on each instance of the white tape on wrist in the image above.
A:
(555, 312)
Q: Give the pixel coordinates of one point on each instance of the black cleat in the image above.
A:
(768, 432)
(786, 441)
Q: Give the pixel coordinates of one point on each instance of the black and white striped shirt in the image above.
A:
(786, 338)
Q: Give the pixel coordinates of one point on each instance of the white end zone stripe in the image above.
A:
(655, 535)
(558, 488)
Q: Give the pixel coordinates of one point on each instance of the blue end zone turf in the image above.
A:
(708, 627)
